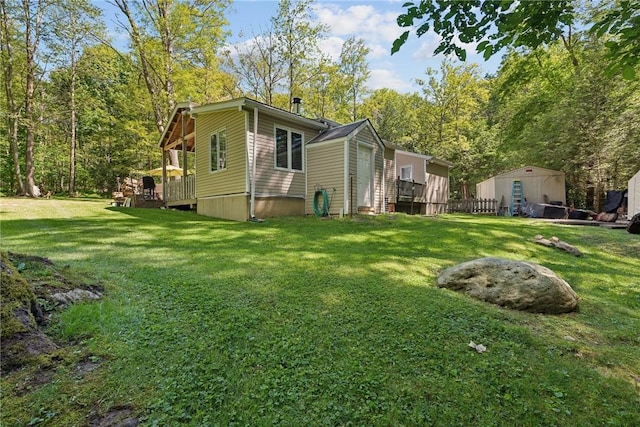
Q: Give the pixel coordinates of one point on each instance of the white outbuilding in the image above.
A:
(633, 195)
(533, 184)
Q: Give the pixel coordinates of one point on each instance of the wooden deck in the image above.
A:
(181, 192)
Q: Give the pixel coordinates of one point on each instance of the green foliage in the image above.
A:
(297, 38)
(300, 321)
(575, 119)
(394, 116)
(453, 125)
(495, 25)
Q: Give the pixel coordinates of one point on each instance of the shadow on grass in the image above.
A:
(337, 322)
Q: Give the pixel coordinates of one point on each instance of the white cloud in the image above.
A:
(364, 21)
(428, 44)
(331, 46)
(386, 78)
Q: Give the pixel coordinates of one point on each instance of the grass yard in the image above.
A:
(307, 322)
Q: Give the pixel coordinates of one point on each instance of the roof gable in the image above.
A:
(347, 131)
(179, 126)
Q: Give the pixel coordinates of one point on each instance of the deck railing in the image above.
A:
(181, 189)
(409, 191)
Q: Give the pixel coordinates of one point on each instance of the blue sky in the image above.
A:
(373, 21)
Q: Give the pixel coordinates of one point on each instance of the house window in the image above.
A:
(406, 173)
(219, 150)
(288, 149)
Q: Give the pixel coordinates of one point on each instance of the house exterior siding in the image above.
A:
(325, 170)
(389, 178)
(366, 137)
(231, 180)
(417, 164)
(272, 181)
(222, 193)
(437, 188)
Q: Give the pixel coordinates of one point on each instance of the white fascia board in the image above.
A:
(219, 106)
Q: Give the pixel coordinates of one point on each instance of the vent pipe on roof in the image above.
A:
(296, 105)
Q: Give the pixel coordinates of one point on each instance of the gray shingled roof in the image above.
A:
(337, 132)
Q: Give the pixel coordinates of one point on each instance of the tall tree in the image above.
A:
(453, 121)
(8, 36)
(324, 91)
(168, 37)
(355, 71)
(395, 116)
(33, 13)
(297, 38)
(74, 23)
(258, 65)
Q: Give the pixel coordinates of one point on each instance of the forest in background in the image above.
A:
(77, 113)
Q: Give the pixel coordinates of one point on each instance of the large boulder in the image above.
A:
(517, 285)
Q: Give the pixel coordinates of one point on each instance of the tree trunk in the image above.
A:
(32, 37)
(72, 142)
(13, 113)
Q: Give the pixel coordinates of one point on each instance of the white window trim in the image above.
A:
(289, 158)
(410, 172)
(217, 134)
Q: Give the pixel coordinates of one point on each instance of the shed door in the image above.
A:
(365, 176)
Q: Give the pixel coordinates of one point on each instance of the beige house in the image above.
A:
(421, 179)
(252, 160)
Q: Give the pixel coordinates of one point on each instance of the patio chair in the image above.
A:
(148, 188)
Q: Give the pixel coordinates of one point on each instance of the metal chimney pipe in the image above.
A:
(296, 105)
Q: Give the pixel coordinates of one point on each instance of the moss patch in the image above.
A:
(22, 340)
(26, 306)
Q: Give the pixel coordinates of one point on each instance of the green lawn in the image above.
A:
(308, 322)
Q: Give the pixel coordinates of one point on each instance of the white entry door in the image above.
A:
(365, 176)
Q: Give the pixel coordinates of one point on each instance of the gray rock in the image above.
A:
(518, 285)
(66, 298)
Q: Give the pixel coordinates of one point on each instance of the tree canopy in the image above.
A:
(496, 24)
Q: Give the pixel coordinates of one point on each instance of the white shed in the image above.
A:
(633, 195)
(539, 185)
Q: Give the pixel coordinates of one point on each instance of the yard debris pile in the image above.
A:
(554, 242)
(518, 285)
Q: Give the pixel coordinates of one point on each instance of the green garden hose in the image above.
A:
(325, 203)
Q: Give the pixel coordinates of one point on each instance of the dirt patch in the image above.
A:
(32, 382)
(119, 416)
